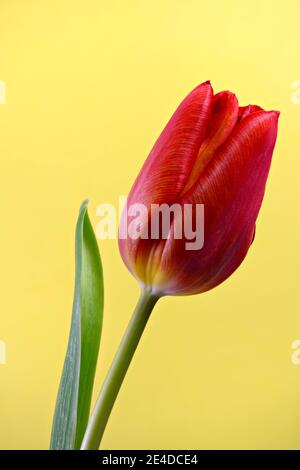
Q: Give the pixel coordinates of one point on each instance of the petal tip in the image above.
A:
(206, 84)
(274, 114)
(226, 95)
(277, 113)
(204, 87)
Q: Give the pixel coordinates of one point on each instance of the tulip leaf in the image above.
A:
(76, 385)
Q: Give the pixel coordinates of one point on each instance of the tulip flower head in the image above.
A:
(190, 216)
(212, 159)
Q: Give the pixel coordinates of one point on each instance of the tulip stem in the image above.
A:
(113, 381)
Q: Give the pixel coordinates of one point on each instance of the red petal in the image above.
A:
(244, 111)
(223, 119)
(231, 188)
(165, 172)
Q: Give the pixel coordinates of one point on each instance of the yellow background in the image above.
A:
(90, 84)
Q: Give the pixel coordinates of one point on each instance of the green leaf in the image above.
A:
(76, 386)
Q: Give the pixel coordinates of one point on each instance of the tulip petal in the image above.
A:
(224, 116)
(244, 111)
(169, 163)
(231, 188)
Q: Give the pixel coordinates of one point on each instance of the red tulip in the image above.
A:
(214, 153)
(211, 152)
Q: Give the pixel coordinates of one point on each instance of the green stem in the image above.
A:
(117, 371)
